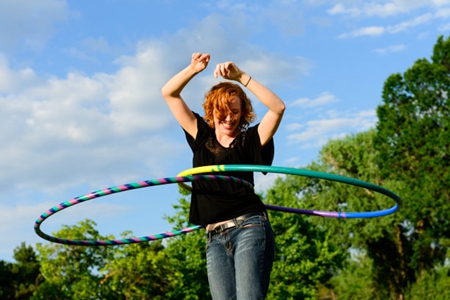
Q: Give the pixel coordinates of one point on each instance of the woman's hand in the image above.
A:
(199, 61)
(228, 70)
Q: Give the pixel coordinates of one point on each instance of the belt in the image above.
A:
(233, 223)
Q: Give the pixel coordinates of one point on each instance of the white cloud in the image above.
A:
(294, 126)
(12, 82)
(94, 50)
(77, 130)
(380, 30)
(291, 161)
(386, 9)
(14, 216)
(444, 27)
(30, 23)
(323, 99)
(264, 182)
(422, 19)
(340, 9)
(285, 16)
(383, 10)
(366, 31)
(317, 132)
(440, 2)
(436, 9)
(443, 13)
(392, 48)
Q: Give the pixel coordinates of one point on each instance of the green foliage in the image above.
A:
(6, 283)
(355, 157)
(187, 259)
(138, 271)
(27, 271)
(413, 141)
(355, 281)
(305, 255)
(409, 154)
(431, 285)
(400, 256)
(19, 280)
(382, 239)
(135, 271)
(72, 272)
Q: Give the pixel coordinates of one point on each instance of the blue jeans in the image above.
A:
(239, 260)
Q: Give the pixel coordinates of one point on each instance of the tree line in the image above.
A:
(400, 256)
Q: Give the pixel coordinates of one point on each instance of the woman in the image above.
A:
(240, 246)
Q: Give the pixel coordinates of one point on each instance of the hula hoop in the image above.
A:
(306, 173)
(123, 188)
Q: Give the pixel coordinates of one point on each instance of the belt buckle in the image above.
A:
(219, 228)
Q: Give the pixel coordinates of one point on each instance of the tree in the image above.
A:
(413, 141)
(73, 272)
(7, 288)
(305, 255)
(139, 271)
(409, 154)
(187, 258)
(374, 240)
(19, 280)
(380, 239)
(431, 285)
(27, 271)
(354, 281)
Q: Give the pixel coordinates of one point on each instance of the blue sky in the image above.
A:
(80, 99)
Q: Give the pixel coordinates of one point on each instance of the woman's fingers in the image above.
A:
(227, 70)
(200, 61)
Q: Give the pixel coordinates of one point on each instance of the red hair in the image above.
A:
(219, 99)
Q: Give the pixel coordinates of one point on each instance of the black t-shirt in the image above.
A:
(215, 201)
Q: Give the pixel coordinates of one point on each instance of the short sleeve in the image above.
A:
(202, 133)
(262, 155)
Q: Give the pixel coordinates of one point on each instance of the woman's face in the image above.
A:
(230, 125)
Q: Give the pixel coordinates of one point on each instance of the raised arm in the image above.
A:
(271, 120)
(171, 92)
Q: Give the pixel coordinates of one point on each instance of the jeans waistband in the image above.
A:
(233, 223)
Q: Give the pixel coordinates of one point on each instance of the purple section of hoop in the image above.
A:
(122, 188)
(327, 214)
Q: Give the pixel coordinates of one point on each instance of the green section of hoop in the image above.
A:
(290, 171)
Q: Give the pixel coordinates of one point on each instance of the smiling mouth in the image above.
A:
(228, 124)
